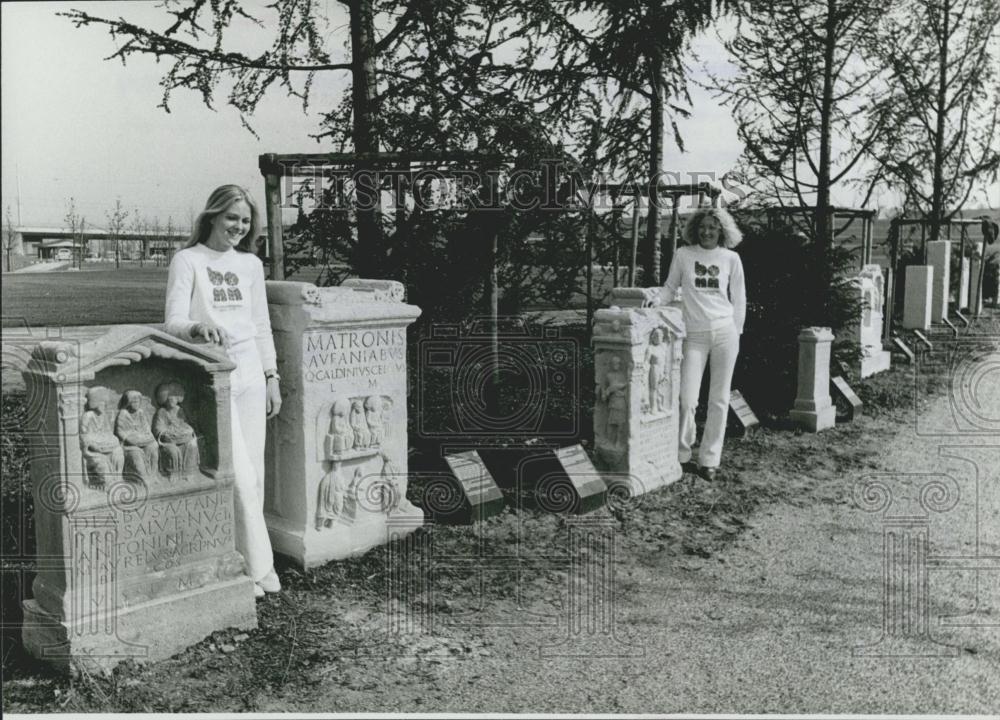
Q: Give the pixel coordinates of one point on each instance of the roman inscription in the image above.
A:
(353, 353)
(158, 534)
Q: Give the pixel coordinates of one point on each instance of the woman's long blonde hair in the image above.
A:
(218, 202)
(731, 235)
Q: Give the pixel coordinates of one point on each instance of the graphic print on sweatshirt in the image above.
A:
(225, 292)
(712, 273)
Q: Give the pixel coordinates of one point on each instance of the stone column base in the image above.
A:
(876, 362)
(815, 420)
(147, 632)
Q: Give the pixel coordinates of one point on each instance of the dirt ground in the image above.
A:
(750, 594)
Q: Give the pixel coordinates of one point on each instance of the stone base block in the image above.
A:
(146, 632)
(640, 483)
(875, 362)
(310, 548)
(815, 420)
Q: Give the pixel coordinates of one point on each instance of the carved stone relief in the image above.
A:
(102, 452)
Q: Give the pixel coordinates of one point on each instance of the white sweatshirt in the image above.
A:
(713, 288)
(223, 288)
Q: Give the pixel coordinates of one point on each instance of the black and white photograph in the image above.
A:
(502, 358)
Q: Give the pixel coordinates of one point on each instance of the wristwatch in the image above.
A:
(272, 374)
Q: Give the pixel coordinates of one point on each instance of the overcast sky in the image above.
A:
(74, 124)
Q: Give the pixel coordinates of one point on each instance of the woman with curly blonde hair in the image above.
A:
(710, 276)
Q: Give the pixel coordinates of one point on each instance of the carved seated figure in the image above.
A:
(373, 416)
(132, 427)
(102, 453)
(393, 488)
(340, 438)
(177, 439)
(362, 436)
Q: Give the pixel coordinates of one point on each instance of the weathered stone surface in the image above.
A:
(939, 257)
(975, 277)
(870, 285)
(917, 298)
(637, 356)
(814, 408)
(964, 278)
(336, 457)
(137, 559)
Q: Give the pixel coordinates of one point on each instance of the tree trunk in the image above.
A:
(651, 262)
(937, 190)
(824, 218)
(369, 258)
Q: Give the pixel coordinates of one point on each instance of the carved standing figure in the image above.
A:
(178, 442)
(373, 416)
(612, 392)
(330, 502)
(362, 437)
(102, 453)
(132, 426)
(656, 363)
(340, 438)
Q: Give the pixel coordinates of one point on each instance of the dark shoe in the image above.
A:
(689, 468)
(708, 473)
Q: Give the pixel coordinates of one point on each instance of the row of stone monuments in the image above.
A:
(928, 287)
(133, 476)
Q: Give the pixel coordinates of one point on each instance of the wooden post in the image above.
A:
(675, 230)
(635, 240)
(272, 190)
(616, 216)
(895, 229)
(590, 262)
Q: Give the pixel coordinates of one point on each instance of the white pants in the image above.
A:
(720, 348)
(248, 406)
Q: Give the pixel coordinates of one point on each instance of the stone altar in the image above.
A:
(336, 456)
(637, 358)
(814, 408)
(134, 562)
(871, 284)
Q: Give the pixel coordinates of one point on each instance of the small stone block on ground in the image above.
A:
(842, 391)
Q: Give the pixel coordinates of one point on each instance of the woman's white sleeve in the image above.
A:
(674, 277)
(738, 293)
(180, 283)
(262, 320)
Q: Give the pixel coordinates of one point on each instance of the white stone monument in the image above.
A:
(870, 284)
(814, 408)
(917, 297)
(132, 481)
(939, 257)
(962, 301)
(336, 456)
(637, 359)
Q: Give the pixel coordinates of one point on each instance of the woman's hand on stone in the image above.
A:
(210, 333)
(273, 397)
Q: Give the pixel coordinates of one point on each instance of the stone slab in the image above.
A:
(813, 408)
(939, 257)
(741, 417)
(563, 481)
(471, 482)
(918, 297)
(843, 391)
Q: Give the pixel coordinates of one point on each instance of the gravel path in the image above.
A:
(769, 624)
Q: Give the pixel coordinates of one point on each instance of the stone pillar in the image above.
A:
(870, 284)
(917, 297)
(975, 287)
(814, 407)
(133, 509)
(637, 360)
(336, 456)
(962, 301)
(939, 257)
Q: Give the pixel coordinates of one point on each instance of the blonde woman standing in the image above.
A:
(710, 276)
(216, 293)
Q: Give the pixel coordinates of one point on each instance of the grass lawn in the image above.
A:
(91, 297)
